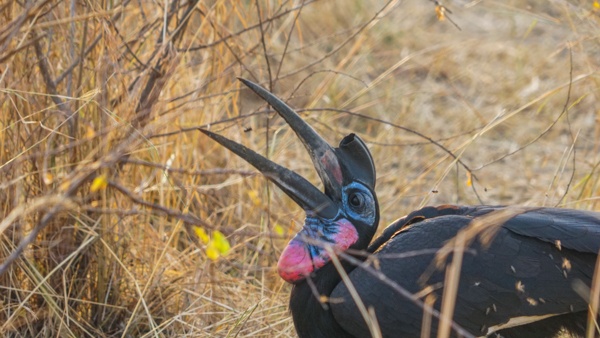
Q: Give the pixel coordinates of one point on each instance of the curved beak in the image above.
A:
(321, 153)
(336, 167)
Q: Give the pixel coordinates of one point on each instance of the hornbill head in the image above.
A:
(344, 217)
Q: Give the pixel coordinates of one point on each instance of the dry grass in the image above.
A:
(114, 93)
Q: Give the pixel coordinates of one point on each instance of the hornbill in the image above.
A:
(530, 277)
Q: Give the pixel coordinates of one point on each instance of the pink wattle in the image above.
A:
(295, 262)
(346, 235)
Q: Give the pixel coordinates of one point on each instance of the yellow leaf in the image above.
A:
(253, 194)
(220, 242)
(211, 252)
(48, 178)
(278, 229)
(99, 183)
(596, 4)
(64, 185)
(440, 12)
(202, 235)
(90, 133)
(469, 179)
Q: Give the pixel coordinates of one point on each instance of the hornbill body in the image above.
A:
(524, 272)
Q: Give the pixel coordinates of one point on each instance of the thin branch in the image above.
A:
(185, 217)
(247, 29)
(573, 138)
(190, 172)
(287, 41)
(264, 46)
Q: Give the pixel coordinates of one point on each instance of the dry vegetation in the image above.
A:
(111, 93)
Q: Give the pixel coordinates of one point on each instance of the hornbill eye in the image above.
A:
(357, 200)
(359, 204)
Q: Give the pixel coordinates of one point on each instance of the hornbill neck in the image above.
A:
(311, 317)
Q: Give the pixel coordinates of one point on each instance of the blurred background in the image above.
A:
(119, 219)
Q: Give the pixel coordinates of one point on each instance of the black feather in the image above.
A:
(521, 274)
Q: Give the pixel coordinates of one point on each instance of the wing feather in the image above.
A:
(521, 276)
(574, 229)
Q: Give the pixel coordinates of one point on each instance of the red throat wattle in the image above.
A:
(296, 262)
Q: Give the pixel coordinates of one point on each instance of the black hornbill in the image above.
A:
(530, 279)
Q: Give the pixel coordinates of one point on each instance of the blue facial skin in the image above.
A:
(365, 211)
(316, 229)
(358, 205)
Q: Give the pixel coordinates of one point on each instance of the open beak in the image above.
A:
(349, 162)
(337, 167)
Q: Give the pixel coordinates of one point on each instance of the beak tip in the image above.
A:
(247, 82)
(206, 132)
